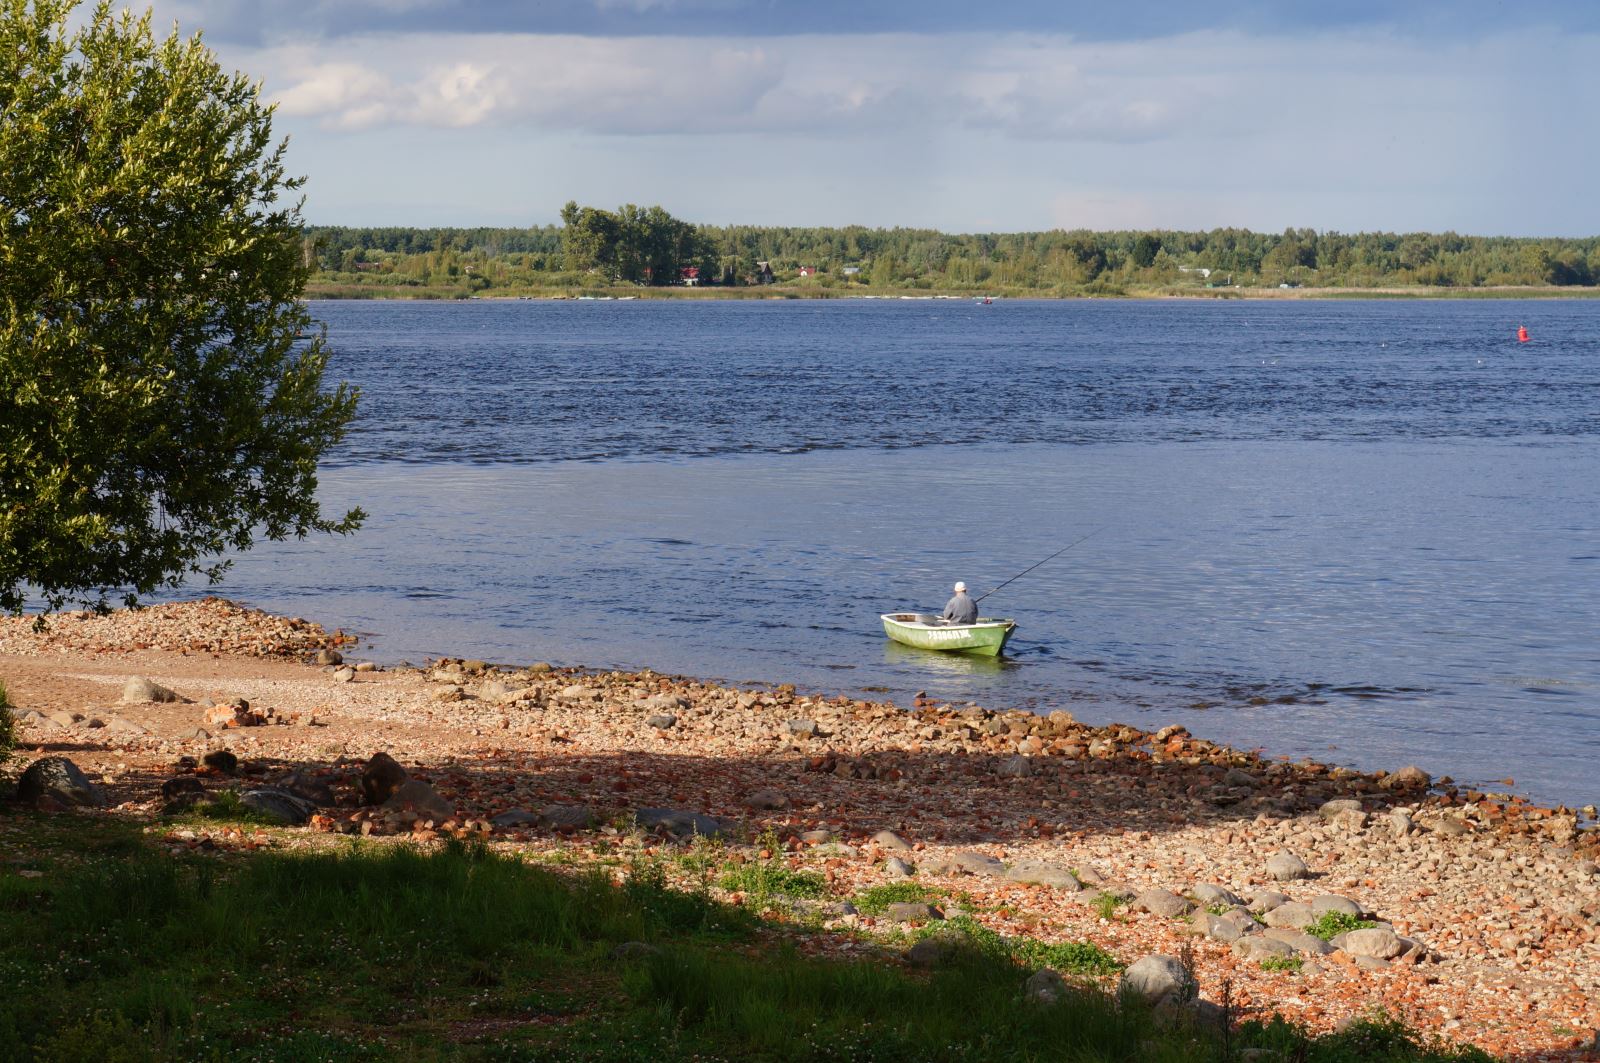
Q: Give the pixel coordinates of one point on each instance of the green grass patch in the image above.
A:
(875, 900)
(1330, 925)
(1078, 957)
(1282, 963)
(769, 880)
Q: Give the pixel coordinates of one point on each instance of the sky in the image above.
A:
(1414, 115)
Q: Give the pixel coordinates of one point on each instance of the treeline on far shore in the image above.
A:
(648, 248)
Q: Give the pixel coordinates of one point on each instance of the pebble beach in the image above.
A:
(1475, 915)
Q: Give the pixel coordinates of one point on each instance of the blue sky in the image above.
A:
(1474, 116)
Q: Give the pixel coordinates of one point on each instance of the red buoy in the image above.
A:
(1522, 334)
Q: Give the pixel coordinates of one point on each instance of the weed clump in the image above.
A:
(875, 900)
(1331, 924)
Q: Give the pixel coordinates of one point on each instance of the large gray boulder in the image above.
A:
(381, 777)
(679, 824)
(418, 797)
(1287, 867)
(1295, 915)
(938, 949)
(1164, 903)
(139, 689)
(888, 839)
(1260, 947)
(1375, 942)
(1033, 873)
(1331, 902)
(1044, 987)
(1300, 941)
(911, 912)
(1208, 894)
(280, 806)
(1157, 978)
(58, 780)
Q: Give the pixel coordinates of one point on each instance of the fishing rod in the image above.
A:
(1025, 571)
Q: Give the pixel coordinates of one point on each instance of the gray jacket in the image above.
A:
(961, 609)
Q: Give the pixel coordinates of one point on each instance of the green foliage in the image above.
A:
(1077, 957)
(617, 246)
(639, 245)
(875, 900)
(767, 880)
(8, 728)
(1282, 963)
(1330, 925)
(161, 395)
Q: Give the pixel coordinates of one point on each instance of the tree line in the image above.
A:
(649, 246)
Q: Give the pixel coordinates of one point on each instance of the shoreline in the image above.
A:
(357, 293)
(1499, 900)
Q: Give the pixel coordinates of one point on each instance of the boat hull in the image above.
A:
(987, 637)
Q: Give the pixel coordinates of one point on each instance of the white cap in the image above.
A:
(961, 588)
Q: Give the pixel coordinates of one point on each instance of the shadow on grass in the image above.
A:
(381, 952)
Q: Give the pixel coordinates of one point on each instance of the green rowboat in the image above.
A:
(988, 636)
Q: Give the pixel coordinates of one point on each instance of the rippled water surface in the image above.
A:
(1363, 531)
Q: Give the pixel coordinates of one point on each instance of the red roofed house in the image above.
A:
(690, 275)
(808, 271)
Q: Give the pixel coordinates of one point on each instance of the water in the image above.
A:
(1365, 532)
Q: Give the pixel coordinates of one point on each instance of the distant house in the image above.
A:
(763, 273)
(808, 271)
(850, 271)
(1203, 271)
(690, 276)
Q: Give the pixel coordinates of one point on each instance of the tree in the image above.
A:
(590, 239)
(161, 395)
(1144, 250)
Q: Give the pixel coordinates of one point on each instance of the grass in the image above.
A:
(1106, 904)
(1078, 957)
(1282, 963)
(129, 953)
(875, 900)
(1330, 925)
(224, 806)
(767, 880)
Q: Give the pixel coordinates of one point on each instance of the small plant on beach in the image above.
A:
(1074, 957)
(875, 900)
(1068, 957)
(1330, 925)
(702, 860)
(1107, 904)
(225, 807)
(1282, 963)
(766, 880)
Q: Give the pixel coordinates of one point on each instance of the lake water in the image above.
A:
(1367, 532)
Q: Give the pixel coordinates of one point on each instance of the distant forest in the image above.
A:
(596, 248)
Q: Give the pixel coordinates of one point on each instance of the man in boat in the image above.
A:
(961, 609)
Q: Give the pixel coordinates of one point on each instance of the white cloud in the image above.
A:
(1353, 130)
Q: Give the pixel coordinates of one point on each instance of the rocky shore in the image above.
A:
(1310, 890)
